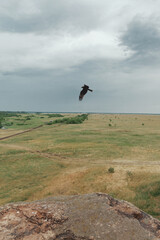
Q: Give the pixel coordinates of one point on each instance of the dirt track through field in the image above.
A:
(13, 135)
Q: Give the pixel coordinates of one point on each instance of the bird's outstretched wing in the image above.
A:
(81, 95)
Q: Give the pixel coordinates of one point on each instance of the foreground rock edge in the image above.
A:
(89, 216)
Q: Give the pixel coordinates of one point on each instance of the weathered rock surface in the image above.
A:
(88, 217)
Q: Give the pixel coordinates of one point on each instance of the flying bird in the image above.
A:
(84, 91)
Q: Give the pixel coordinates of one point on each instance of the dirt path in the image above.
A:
(29, 150)
(13, 135)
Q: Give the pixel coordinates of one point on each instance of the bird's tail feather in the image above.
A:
(80, 97)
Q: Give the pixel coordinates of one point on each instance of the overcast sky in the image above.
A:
(50, 48)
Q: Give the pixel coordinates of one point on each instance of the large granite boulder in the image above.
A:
(89, 217)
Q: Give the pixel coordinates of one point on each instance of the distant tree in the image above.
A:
(1, 123)
(71, 120)
(54, 115)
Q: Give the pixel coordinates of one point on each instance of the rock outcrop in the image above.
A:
(88, 217)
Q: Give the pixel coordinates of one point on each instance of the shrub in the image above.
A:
(49, 123)
(28, 118)
(155, 190)
(129, 174)
(111, 170)
(8, 124)
(110, 125)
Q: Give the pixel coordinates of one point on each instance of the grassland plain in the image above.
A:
(62, 159)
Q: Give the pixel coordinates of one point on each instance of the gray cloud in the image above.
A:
(114, 89)
(42, 16)
(49, 49)
(143, 38)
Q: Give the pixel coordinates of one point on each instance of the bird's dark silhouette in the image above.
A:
(84, 91)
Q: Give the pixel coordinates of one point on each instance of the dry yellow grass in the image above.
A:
(74, 159)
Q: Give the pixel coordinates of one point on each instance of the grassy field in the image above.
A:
(62, 159)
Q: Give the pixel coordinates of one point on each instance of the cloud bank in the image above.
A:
(49, 49)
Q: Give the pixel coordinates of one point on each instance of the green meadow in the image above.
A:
(70, 154)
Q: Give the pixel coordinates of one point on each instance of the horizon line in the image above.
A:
(136, 113)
